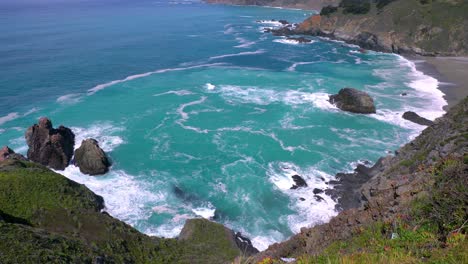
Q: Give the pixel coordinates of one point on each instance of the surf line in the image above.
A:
(100, 87)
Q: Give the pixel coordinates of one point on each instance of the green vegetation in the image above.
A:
(46, 218)
(357, 7)
(326, 11)
(434, 232)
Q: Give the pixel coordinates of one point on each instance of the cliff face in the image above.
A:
(431, 172)
(404, 26)
(300, 4)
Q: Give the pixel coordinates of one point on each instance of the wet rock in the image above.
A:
(318, 198)
(404, 94)
(352, 100)
(415, 118)
(298, 182)
(317, 191)
(300, 40)
(302, 199)
(91, 159)
(48, 146)
(283, 22)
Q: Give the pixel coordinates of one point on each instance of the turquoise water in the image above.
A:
(202, 113)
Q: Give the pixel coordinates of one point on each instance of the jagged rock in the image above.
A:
(352, 100)
(7, 153)
(217, 238)
(298, 182)
(318, 198)
(91, 159)
(317, 191)
(48, 146)
(415, 118)
(283, 22)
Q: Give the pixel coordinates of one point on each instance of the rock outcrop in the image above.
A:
(8, 153)
(48, 146)
(298, 182)
(401, 26)
(415, 118)
(352, 100)
(216, 238)
(91, 159)
(300, 4)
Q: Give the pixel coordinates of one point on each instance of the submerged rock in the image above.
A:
(415, 118)
(298, 182)
(216, 238)
(353, 100)
(91, 159)
(300, 40)
(48, 146)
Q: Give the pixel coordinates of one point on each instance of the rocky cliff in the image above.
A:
(415, 202)
(436, 27)
(300, 4)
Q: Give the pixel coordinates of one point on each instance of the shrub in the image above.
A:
(355, 6)
(327, 10)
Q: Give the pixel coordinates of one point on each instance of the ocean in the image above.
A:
(202, 113)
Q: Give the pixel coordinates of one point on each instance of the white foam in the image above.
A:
(185, 116)
(102, 132)
(294, 66)
(291, 41)
(244, 43)
(69, 99)
(310, 211)
(205, 212)
(124, 196)
(178, 92)
(9, 117)
(137, 76)
(270, 23)
(210, 86)
(245, 53)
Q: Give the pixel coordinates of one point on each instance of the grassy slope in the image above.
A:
(46, 218)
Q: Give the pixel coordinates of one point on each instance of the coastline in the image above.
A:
(451, 74)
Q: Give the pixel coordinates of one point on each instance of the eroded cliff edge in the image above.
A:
(429, 28)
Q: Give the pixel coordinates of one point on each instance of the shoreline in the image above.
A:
(450, 72)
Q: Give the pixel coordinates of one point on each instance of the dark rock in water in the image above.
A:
(284, 31)
(404, 94)
(346, 189)
(300, 40)
(302, 199)
(267, 30)
(284, 22)
(363, 51)
(352, 100)
(48, 146)
(415, 118)
(217, 237)
(318, 198)
(91, 159)
(317, 191)
(298, 182)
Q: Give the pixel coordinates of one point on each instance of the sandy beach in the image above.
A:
(452, 73)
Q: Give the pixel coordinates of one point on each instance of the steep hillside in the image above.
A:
(425, 27)
(300, 4)
(414, 206)
(47, 218)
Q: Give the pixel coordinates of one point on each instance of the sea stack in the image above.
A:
(91, 159)
(49, 146)
(354, 101)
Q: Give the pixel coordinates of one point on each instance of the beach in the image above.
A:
(451, 72)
